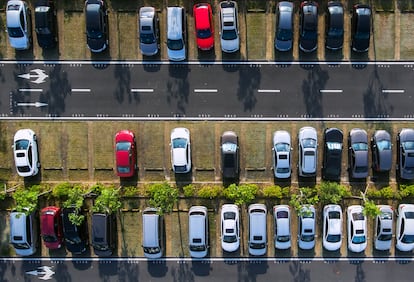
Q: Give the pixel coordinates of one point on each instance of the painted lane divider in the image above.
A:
(268, 91)
(81, 90)
(30, 90)
(331, 90)
(144, 90)
(205, 90)
(398, 91)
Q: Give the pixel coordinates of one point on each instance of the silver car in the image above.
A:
(229, 27)
(358, 153)
(308, 151)
(19, 24)
(282, 237)
(405, 154)
(148, 31)
(281, 154)
(284, 26)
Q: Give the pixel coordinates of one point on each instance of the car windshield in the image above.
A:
(309, 34)
(123, 146)
(358, 239)
(408, 145)
(43, 31)
(175, 44)
(203, 33)
(179, 143)
(101, 247)
(197, 248)
(335, 32)
(282, 147)
(229, 34)
(360, 169)
(151, 250)
(229, 238)
(284, 238)
(333, 238)
(257, 246)
(334, 215)
(123, 169)
(15, 31)
(309, 143)
(49, 238)
(22, 144)
(307, 238)
(385, 237)
(284, 34)
(282, 170)
(72, 239)
(180, 168)
(384, 145)
(94, 33)
(334, 145)
(362, 35)
(229, 215)
(408, 239)
(147, 38)
(360, 146)
(21, 246)
(24, 168)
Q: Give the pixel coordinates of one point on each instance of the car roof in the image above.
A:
(99, 225)
(18, 226)
(174, 22)
(358, 135)
(202, 16)
(197, 222)
(48, 215)
(150, 221)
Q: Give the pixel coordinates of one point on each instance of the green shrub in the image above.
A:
(383, 193)
(162, 196)
(274, 191)
(242, 194)
(332, 192)
(61, 190)
(406, 191)
(27, 199)
(189, 190)
(108, 201)
(130, 191)
(210, 192)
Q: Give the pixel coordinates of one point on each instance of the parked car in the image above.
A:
(204, 27)
(334, 29)
(198, 231)
(308, 34)
(357, 229)
(381, 149)
(383, 228)
(25, 151)
(361, 27)
(45, 23)
(23, 232)
(284, 26)
(51, 227)
(308, 151)
(282, 237)
(229, 27)
(125, 153)
(19, 24)
(257, 229)
(75, 236)
(282, 154)
(332, 227)
(176, 33)
(332, 154)
(405, 228)
(405, 154)
(358, 153)
(96, 17)
(180, 150)
(306, 236)
(229, 155)
(149, 31)
(230, 228)
(103, 234)
(152, 233)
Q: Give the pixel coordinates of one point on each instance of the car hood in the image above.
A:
(45, 41)
(176, 55)
(230, 45)
(20, 43)
(97, 45)
(359, 136)
(283, 45)
(334, 43)
(205, 43)
(149, 49)
(308, 44)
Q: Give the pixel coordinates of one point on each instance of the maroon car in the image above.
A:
(125, 153)
(51, 227)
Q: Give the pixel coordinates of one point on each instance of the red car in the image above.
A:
(51, 227)
(204, 27)
(125, 153)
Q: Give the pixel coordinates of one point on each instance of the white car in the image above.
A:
(19, 24)
(230, 232)
(25, 153)
(383, 228)
(281, 216)
(306, 236)
(357, 229)
(332, 227)
(229, 28)
(257, 229)
(308, 151)
(281, 154)
(180, 150)
(405, 228)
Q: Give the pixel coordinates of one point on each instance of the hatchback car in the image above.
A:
(383, 228)
(306, 236)
(103, 234)
(51, 227)
(284, 26)
(180, 150)
(229, 155)
(25, 151)
(96, 25)
(75, 236)
(381, 151)
(204, 27)
(198, 231)
(229, 27)
(358, 153)
(405, 154)
(257, 229)
(45, 23)
(332, 154)
(308, 34)
(281, 217)
(332, 227)
(334, 21)
(149, 32)
(356, 228)
(230, 228)
(19, 24)
(361, 27)
(125, 153)
(281, 154)
(23, 233)
(308, 151)
(405, 228)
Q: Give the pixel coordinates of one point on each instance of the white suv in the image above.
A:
(229, 29)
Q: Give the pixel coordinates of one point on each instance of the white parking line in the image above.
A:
(331, 90)
(81, 90)
(268, 90)
(398, 91)
(30, 90)
(205, 90)
(146, 90)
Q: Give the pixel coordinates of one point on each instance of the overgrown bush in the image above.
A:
(384, 193)
(332, 192)
(406, 191)
(107, 201)
(130, 191)
(162, 196)
(189, 190)
(242, 194)
(274, 191)
(26, 199)
(61, 190)
(210, 192)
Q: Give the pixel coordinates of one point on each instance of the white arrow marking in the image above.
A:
(46, 271)
(39, 74)
(37, 104)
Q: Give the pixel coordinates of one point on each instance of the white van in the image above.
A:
(198, 231)
(23, 233)
(152, 233)
(176, 31)
(257, 229)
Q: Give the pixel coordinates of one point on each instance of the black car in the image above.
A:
(361, 27)
(405, 154)
(103, 234)
(308, 41)
(229, 155)
(381, 151)
(358, 153)
(334, 38)
(96, 25)
(75, 236)
(45, 23)
(332, 154)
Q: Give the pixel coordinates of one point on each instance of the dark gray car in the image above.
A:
(381, 151)
(358, 153)
(308, 33)
(405, 154)
(334, 26)
(229, 155)
(148, 31)
(284, 26)
(103, 229)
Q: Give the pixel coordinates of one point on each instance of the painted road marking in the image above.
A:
(331, 91)
(268, 90)
(398, 91)
(30, 90)
(205, 90)
(81, 90)
(144, 90)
